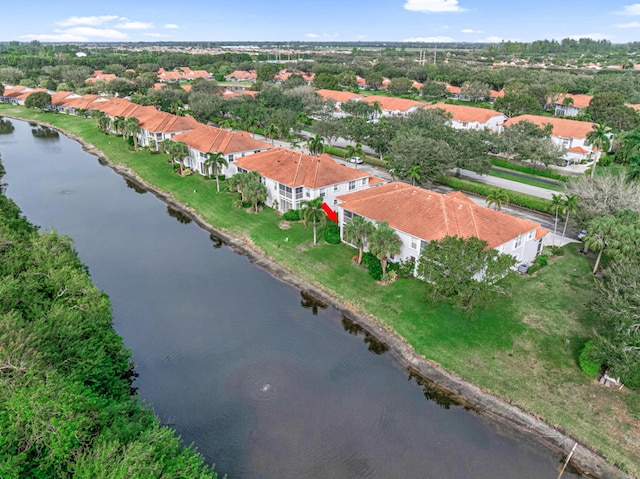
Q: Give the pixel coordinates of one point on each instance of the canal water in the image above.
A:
(265, 381)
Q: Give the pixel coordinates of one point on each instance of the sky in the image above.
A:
(430, 21)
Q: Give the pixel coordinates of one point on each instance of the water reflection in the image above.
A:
(311, 302)
(434, 392)
(179, 215)
(6, 127)
(217, 242)
(373, 344)
(137, 187)
(45, 133)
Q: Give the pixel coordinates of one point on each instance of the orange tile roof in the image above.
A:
(25, 93)
(431, 216)
(578, 149)
(158, 121)
(82, 102)
(453, 89)
(389, 103)
(58, 96)
(295, 168)
(338, 96)
(579, 101)
(635, 107)
(13, 91)
(207, 139)
(242, 75)
(466, 113)
(540, 232)
(562, 127)
(497, 94)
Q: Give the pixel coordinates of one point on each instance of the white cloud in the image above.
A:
(631, 9)
(592, 36)
(171, 26)
(60, 37)
(135, 25)
(435, 39)
(312, 35)
(491, 39)
(628, 25)
(157, 35)
(92, 21)
(433, 6)
(469, 30)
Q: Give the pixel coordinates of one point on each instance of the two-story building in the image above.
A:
(293, 176)
(462, 117)
(419, 216)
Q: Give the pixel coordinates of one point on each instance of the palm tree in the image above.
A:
(356, 231)
(103, 123)
(413, 174)
(132, 128)
(315, 145)
(556, 203)
(294, 141)
(384, 241)
(349, 152)
(311, 210)
(497, 198)
(599, 233)
(598, 138)
(118, 124)
(570, 206)
(272, 132)
(254, 190)
(176, 150)
(215, 161)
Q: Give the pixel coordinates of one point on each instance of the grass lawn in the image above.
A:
(507, 175)
(522, 348)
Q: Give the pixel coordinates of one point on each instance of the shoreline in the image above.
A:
(584, 459)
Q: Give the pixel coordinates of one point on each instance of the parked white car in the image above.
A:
(357, 160)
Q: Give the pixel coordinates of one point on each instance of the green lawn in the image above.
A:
(523, 348)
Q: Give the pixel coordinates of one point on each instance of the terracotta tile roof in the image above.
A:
(338, 96)
(497, 94)
(99, 76)
(82, 102)
(13, 91)
(466, 113)
(158, 121)
(121, 107)
(295, 168)
(453, 89)
(579, 101)
(635, 107)
(58, 96)
(186, 87)
(540, 232)
(242, 75)
(25, 93)
(562, 127)
(578, 149)
(389, 103)
(431, 216)
(207, 139)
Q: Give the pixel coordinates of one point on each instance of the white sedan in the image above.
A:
(357, 160)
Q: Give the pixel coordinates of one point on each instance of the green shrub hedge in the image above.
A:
(332, 233)
(373, 265)
(503, 163)
(588, 366)
(292, 215)
(517, 199)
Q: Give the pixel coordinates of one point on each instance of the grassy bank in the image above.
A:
(523, 348)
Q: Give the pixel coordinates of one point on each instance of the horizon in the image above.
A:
(398, 21)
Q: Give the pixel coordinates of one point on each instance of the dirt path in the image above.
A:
(584, 459)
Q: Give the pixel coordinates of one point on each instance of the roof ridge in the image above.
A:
(473, 219)
(315, 176)
(295, 176)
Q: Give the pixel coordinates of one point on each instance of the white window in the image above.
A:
(352, 185)
(365, 181)
(335, 188)
(518, 242)
(335, 202)
(322, 193)
(530, 235)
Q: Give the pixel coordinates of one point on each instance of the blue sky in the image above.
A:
(328, 20)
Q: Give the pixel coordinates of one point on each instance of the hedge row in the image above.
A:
(516, 199)
(335, 151)
(502, 163)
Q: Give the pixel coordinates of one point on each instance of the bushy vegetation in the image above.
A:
(518, 199)
(331, 233)
(292, 215)
(589, 367)
(66, 405)
(373, 265)
(503, 163)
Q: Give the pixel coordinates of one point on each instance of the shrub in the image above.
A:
(556, 250)
(542, 260)
(533, 268)
(292, 215)
(186, 172)
(516, 199)
(404, 269)
(373, 265)
(332, 233)
(605, 160)
(503, 163)
(588, 366)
